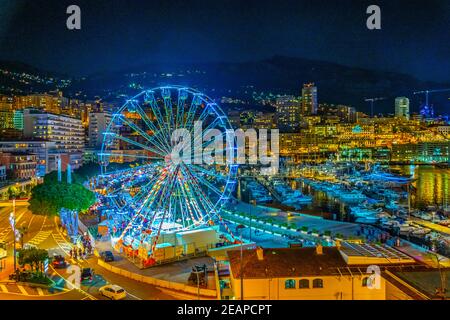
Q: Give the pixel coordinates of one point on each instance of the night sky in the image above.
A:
(415, 35)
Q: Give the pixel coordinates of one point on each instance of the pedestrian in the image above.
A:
(80, 252)
(75, 253)
(70, 253)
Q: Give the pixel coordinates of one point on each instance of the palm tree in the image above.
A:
(23, 230)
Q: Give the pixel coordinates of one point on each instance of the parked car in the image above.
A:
(87, 274)
(59, 261)
(107, 256)
(113, 292)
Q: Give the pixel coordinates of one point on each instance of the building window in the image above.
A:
(303, 284)
(289, 284)
(365, 281)
(317, 283)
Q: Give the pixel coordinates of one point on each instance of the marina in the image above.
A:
(410, 202)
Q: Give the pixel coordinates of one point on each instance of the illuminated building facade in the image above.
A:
(41, 148)
(309, 99)
(288, 113)
(98, 122)
(402, 107)
(66, 132)
(53, 102)
(19, 166)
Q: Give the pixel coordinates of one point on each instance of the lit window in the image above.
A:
(289, 284)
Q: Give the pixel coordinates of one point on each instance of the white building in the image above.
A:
(66, 132)
(98, 123)
(402, 107)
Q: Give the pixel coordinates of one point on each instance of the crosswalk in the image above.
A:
(40, 237)
(62, 242)
(4, 233)
(21, 290)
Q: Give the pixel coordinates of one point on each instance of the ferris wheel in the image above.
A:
(154, 194)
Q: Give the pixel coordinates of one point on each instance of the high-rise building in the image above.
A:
(65, 131)
(402, 107)
(98, 123)
(346, 113)
(309, 99)
(288, 113)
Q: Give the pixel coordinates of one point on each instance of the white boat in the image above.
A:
(364, 212)
(421, 231)
(296, 197)
(426, 216)
(388, 223)
(406, 228)
(367, 220)
(353, 196)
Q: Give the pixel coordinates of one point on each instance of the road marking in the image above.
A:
(29, 224)
(22, 289)
(88, 296)
(40, 292)
(40, 237)
(3, 288)
(4, 233)
(62, 243)
(132, 295)
(43, 223)
(20, 217)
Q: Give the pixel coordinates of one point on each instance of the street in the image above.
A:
(44, 233)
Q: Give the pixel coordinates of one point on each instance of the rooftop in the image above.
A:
(287, 262)
(296, 262)
(373, 254)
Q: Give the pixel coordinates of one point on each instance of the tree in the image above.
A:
(13, 192)
(51, 196)
(88, 170)
(34, 258)
(23, 230)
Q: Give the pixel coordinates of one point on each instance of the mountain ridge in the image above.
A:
(278, 74)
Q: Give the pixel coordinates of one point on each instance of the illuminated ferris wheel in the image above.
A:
(155, 194)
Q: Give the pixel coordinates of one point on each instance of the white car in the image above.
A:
(113, 292)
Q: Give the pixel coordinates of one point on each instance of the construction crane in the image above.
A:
(427, 93)
(372, 100)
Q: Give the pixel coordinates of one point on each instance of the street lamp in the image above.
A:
(16, 234)
(241, 228)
